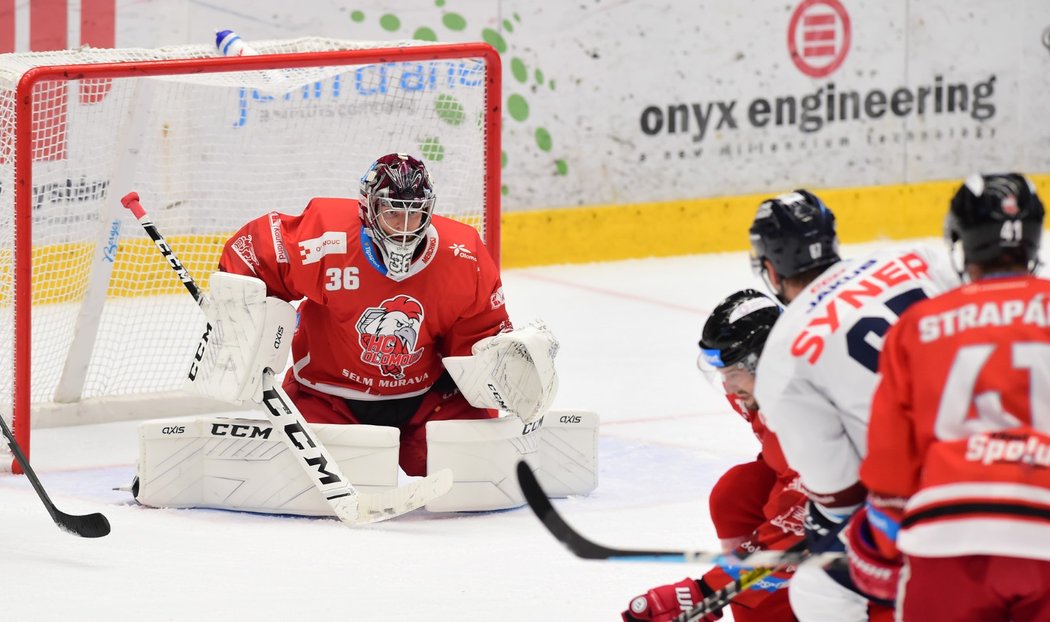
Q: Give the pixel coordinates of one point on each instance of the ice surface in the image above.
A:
(628, 332)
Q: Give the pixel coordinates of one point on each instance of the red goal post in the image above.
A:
(93, 326)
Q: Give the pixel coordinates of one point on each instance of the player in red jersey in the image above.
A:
(388, 291)
(958, 463)
(755, 506)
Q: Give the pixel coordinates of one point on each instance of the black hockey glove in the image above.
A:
(819, 526)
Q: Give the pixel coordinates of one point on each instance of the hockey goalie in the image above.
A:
(402, 355)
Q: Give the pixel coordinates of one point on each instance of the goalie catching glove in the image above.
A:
(511, 371)
(247, 334)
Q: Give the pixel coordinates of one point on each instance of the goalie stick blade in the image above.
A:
(373, 508)
(87, 526)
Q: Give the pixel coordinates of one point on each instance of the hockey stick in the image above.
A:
(720, 599)
(800, 551)
(588, 549)
(86, 526)
(349, 505)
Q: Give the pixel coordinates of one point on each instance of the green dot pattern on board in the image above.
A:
(518, 107)
(543, 139)
(454, 21)
(449, 110)
(494, 39)
(432, 149)
(519, 70)
(424, 34)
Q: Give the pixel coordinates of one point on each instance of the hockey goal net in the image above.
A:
(95, 327)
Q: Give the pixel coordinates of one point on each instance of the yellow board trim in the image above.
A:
(686, 227)
(60, 271)
(543, 237)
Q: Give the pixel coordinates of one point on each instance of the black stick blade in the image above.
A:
(86, 526)
(573, 540)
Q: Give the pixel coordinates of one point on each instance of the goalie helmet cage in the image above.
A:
(94, 326)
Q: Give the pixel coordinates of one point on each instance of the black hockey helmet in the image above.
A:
(996, 214)
(736, 330)
(795, 232)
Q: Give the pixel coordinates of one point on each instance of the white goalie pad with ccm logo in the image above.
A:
(483, 454)
(242, 464)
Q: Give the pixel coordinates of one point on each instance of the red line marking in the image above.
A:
(664, 418)
(615, 294)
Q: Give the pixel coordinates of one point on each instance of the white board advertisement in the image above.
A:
(644, 100)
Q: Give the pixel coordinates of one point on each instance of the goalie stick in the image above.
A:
(349, 505)
(588, 549)
(86, 526)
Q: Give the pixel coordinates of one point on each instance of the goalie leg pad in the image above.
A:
(568, 453)
(483, 455)
(562, 449)
(242, 464)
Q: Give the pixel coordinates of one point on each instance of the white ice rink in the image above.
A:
(628, 332)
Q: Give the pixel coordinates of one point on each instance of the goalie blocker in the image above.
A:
(241, 463)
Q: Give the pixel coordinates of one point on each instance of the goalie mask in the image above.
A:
(997, 220)
(795, 232)
(732, 340)
(397, 202)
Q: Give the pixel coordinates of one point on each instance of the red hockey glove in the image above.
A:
(667, 602)
(753, 597)
(873, 573)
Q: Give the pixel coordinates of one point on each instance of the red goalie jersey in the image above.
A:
(959, 442)
(362, 335)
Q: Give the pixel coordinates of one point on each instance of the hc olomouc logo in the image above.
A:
(330, 243)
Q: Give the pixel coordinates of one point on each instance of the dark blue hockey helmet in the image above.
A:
(996, 215)
(795, 232)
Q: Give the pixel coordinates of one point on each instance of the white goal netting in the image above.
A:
(207, 150)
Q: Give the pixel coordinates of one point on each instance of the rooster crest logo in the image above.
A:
(388, 335)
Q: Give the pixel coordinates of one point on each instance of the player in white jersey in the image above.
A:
(816, 378)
